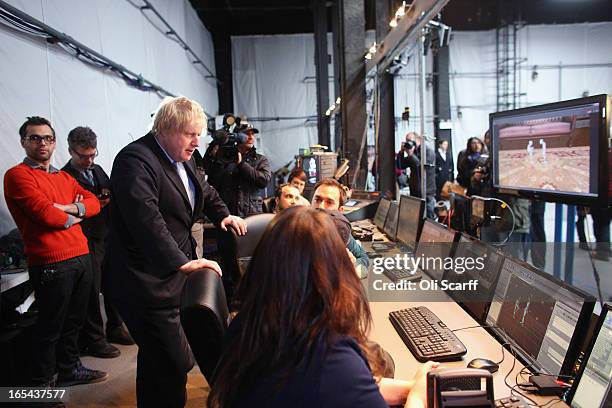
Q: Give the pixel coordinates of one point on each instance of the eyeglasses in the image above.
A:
(38, 139)
(85, 156)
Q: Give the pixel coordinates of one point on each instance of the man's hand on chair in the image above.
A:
(236, 223)
(198, 264)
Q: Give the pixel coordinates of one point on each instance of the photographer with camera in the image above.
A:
(236, 170)
(472, 169)
(410, 157)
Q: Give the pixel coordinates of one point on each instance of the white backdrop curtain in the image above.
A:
(274, 76)
(37, 78)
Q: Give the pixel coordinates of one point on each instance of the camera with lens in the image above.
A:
(228, 137)
(483, 165)
(410, 144)
(104, 194)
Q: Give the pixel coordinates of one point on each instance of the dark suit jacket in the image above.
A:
(151, 220)
(95, 227)
(444, 169)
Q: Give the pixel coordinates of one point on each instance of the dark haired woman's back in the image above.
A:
(336, 376)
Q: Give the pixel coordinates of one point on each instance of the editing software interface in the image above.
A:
(539, 316)
(391, 223)
(381, 213)
(592, 388)
(434, 247)
(475, 260)
(410, 217)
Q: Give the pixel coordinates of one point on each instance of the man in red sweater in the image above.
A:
(47, 206)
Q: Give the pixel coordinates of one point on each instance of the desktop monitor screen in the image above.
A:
(542, 317)
(474, 260)
(558, 151)
(381, 213)
(409, 221)
(434, 248)
(391, 222)
(592, 386)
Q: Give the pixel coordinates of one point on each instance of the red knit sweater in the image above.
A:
(30, 194)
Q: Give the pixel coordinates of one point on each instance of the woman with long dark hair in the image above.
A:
(298, 338)
(469, 159)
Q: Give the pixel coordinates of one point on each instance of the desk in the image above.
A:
(11, 280)
(478, 341)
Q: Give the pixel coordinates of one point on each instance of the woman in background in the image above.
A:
(299, 337)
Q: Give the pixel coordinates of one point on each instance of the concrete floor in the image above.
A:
(119, 390)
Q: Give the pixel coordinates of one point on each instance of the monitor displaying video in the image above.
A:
(381, 213)
(474, 260)
(558, 151)
(391, 222)
(542, 317)
(410, 218)
(434, 248)
(592, 387)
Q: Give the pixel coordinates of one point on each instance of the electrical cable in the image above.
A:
(504, 204)
(16, 19)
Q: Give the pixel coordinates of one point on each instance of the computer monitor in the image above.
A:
(592, 386)
(556, 152)
(542, 317)
(381, 213)
(434, 248)
(474, 260)
(391, 222)
(409, 220)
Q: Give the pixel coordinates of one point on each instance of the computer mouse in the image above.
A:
(484, 364)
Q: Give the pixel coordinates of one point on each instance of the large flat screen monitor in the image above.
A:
(434, 248)
(555, 152)
(381, 213)
(543, 318)
(391, 222)
(410, 220)
(592, 387)
(474, 260)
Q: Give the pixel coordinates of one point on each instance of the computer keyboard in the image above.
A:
(511, 402)
(426, 336)
(397, 275)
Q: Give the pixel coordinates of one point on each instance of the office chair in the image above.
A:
(256, 225)
(269, 204)
(204, 317)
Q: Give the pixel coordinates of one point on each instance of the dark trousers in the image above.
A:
(164, 356)
(601, 229)
(62, 290)
(580, 224)
(518, 245)
(537, 234)
(93, 328)
(430, 207)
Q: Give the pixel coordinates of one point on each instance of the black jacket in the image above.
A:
(444, 169)
(240, 185)
(96, 227)
(414, 163)
(151, 220)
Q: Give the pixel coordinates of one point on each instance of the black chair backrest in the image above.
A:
(204, 317)
(256, 225)
(269, 204)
